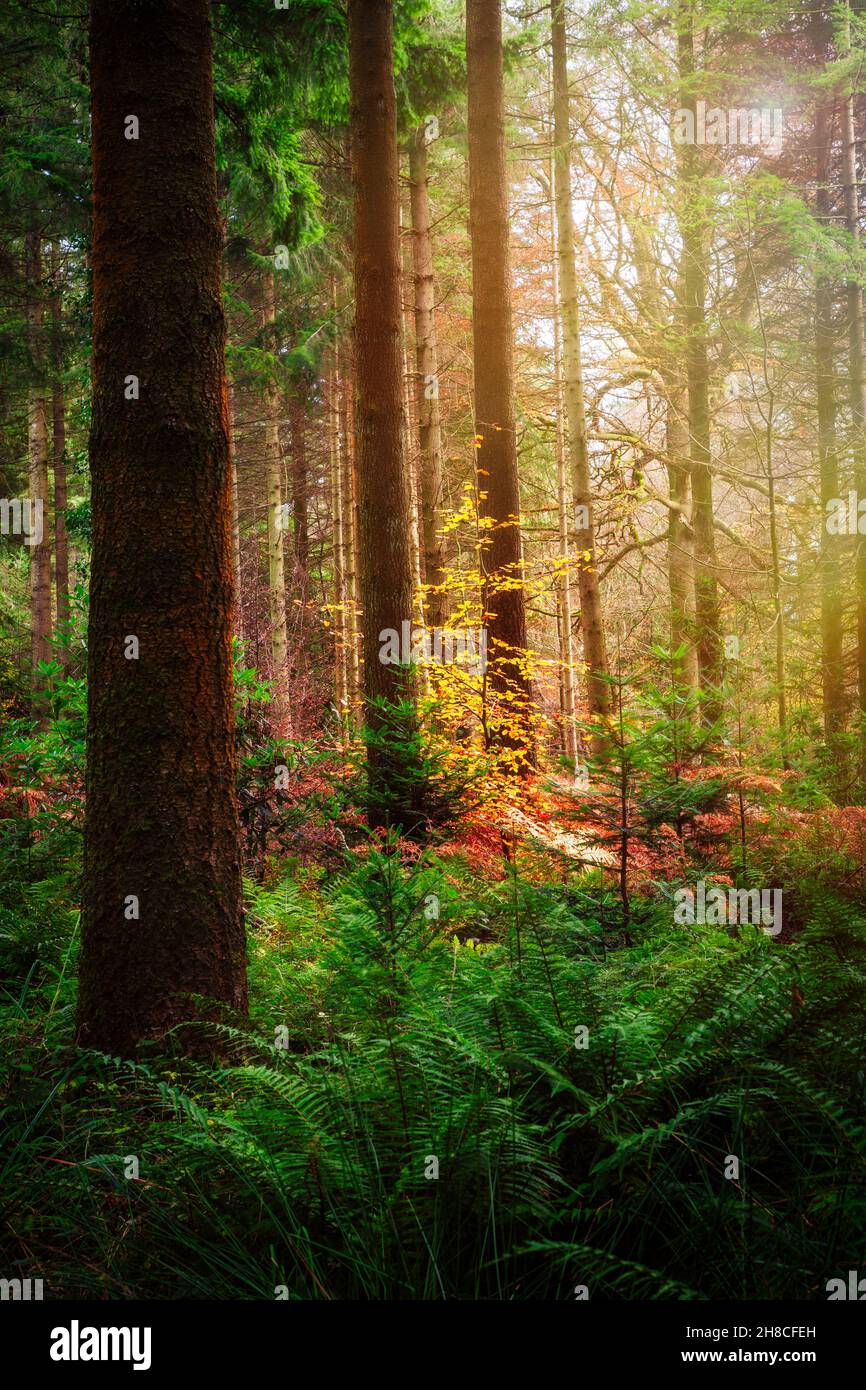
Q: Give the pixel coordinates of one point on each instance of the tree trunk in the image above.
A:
(384, 500)
(427, 385)
(300, 501)
(564, 498)
(495, 438)
(681, 572)
(410, 450)
(857, 385)
(694, 232)
(273, 460)
(832, 665)
(162, 916)
(591, 619)
(338, 533)
(351, 529)
(61, 501)
(37, 431)
(236, 515)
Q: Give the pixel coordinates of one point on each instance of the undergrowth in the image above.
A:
(579, 1100)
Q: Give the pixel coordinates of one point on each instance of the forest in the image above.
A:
(433, 650)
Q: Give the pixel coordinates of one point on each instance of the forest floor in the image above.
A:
(464, 1073)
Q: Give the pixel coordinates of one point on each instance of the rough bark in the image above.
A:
(384, 499)
(591, 618)
(495, 438)
(161, 832)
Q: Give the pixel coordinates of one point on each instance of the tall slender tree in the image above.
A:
(427, 383)
(832, 664)
(681, 573)
(162, 911)
(856, 369)
(273, 482)
(383, 480)
(591, 617)
(300, 493)
(58, 412)
(495, 437)
(694, 231)
(37, 428)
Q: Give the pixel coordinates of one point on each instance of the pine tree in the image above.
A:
(161, 910)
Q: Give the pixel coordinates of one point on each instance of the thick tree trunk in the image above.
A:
(591, 619)
(694, 232)
(832, 665)
(495, 438)
(273, 463)
(427, 385)
(384, 500)
(37, 432)
(162, 912)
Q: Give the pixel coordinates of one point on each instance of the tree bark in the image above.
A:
(832, 665)
(61, 501)
(495, 438)
(162, 915)
(857, 384)
(427, 385)
(384, 500)
(300, 499)
(338, 535)
(591, 618)
(410, 447)
(564, 499)
(351, 530)
(681, 572)
(37, 431)
(273, 461)
(694, 233)
(236, 515)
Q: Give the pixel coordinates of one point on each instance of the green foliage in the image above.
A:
(384, 1035)
(404, 778)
